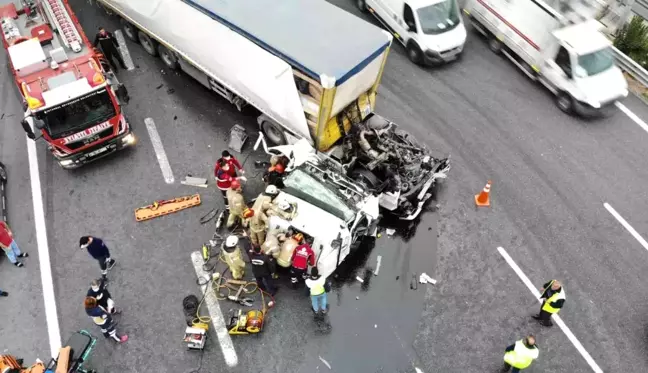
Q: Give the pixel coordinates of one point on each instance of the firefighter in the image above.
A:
(271, 248)
(520, 355)
(274, 175)
(554, 299)
(302, 257)
(109, 47)
(289, 243)
(259, 221)
(233, 258)
(237, 205)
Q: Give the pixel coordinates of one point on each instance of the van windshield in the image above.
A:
(439, 18)
(596, 62)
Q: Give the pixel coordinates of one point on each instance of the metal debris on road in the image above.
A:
(359, 279)
(238, 136)
(390, 231)
(425, 279)
(325, 362)
(160, 86)
(194, 181)
(379, 259)
(357, 298)
(375, 326)
(418, 370)
(413, 283)
(170, 90)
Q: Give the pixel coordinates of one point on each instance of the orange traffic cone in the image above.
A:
(483, 198)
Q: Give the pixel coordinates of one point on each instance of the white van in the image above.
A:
(431, 30)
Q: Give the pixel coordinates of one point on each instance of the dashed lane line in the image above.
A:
(626, 225)
(572, 338)
(167, 173)
(51, 317)
(215, 313)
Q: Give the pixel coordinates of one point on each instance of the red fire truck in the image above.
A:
(68, 90)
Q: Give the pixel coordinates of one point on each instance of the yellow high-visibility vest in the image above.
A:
(521, 356)
(554, 297)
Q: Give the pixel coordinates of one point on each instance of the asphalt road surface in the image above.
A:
(551, 173)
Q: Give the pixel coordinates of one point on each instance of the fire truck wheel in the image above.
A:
(129, 30)
(168, 57)
(148, 44)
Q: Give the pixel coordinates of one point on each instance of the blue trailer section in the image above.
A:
(313, 36)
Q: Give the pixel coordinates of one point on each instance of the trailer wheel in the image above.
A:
(148, 44)
(168, 57)
(129, 30)
(273, 133)
(362, 5)
(414, 53)
(495, 45)
(565, 102)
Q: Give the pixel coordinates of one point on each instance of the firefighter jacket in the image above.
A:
(259, 222)
(236, 202)
(521, 355)
(233, 257)
(554, 299)
(286, 253)
(271, 246)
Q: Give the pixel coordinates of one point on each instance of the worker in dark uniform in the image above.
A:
(520, 355)
(109, 47)
(99, 291)
(553, 295)
(262, 271)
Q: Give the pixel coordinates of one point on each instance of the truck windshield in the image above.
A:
(304, 186)
(83, 112)
(439, 18)
(596, 62)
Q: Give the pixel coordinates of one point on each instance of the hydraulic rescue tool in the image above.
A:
(249, 322)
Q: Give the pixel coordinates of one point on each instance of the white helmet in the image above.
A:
(284, 205)
(231, 241)
(271, 189)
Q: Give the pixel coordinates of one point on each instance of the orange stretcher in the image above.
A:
(166, 207)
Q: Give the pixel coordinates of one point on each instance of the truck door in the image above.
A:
(559, 71)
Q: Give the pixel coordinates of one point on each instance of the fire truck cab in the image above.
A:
(69, 92)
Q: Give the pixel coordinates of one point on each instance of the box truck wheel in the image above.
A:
(495, 45)
(362, 5)
(148, 44)
(273, 133)
(414, 53)
(129, 30)
(565, 102)
(168, 57)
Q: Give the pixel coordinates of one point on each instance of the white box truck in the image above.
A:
(561, 46)
(432, 31)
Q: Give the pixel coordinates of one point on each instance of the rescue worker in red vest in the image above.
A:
(237, 205)
(233, 163)
(301, 258)
(554, 299)
(520, 355)
(224, 180)
(233, 258)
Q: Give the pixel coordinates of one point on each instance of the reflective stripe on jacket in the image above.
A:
(521, 356)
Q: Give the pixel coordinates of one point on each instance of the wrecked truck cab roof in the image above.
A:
(317, 37)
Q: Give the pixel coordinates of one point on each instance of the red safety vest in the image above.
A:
(223, 180)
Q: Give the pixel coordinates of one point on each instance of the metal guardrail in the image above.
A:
(626, 64)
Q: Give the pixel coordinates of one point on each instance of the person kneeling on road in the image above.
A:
(232, 255)
(103, 319)
(301, 258)
(318, 287)
(262, 271)
(99, 291)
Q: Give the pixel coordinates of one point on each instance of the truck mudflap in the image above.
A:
(96, 152)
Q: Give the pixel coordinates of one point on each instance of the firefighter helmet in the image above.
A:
(271, 190)
(236, 184)
(231, 241)
(298, 237)
(248, 213)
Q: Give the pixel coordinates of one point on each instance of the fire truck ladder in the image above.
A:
(61, 18)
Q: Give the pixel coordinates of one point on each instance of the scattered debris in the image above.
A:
(359, 279)
(375, 326)
(429, 228)
(413, 283)
(170, 90)
(325, 362)
(2, 116)
(194, 181)
(160, 86)
(425, 279)
(238, 136)
(390, 231)
(397, 278)
(357, 298)
(175, 117)
(377, 265)
(418, 370)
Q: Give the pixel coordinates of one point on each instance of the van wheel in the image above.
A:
(565, 102)
(273, 133)
(414, 53)
(168, 57)
(362, 5)
(148, 44)
(129, 30)
(495, 45)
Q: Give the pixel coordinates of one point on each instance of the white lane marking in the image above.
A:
(53, 330)
(123, 49)
(159, 151)
(557, 319)
(627, 226)
(632, 116)
(231, 359)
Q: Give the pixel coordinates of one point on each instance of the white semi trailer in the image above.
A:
(560, 45)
